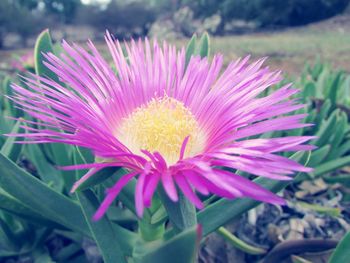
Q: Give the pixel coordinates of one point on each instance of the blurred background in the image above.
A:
(288, 32)
(308, 39)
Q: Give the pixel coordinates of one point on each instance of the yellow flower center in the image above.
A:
(162, 125)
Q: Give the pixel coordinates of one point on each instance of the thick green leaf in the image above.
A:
(331, 211)
(108, 178)
(297, 259)
(67, 252)
(190, 49)
(42, 199)
(326, 130)
(127, 194)
(5, 103)
(240, 244)
(128, 239)
(339, 134)
(343, 149)
(343, 179)
(47, 172)
(319, 155)
(325, 110)
(342, 251)
(182, 213)
(58, 152)
(102, 231)
(331, 166)
(10, 236)
(181, 248)
(98, 178)
(222, 211)
(62, 155)
(9, 148)
(204, 46)
(43, 45)
(15, 207)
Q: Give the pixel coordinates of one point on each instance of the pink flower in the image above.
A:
(24, 62)
(167, 123)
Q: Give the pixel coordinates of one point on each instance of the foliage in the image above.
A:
(270, 12)
(116, 17)
(17, 19)
(36, 207)
(342, 252)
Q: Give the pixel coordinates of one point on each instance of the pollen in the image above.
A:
(162, 125)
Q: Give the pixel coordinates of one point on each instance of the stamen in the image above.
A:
(162, 125)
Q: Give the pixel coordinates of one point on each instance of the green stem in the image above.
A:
(182, 213)
(151, 232)
(237, 243)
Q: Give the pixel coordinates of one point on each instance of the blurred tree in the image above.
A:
(5, 18)
(269, 12)
(29, 4)
(123, 19)
(65, 9)
(284, 13)
(17, 18)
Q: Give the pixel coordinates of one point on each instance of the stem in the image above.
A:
(182, 213)
(151, 232)
(148, 229)
(237, 243)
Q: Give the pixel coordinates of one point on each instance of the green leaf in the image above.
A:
(331, 211)
(319, 155)
(87, 200)
(47, 172)
(108, 178)
(102, 230)
(326, 129)
(240, 244)
(222, 211)
(331, 166)
(62, 155)
(181, 213)
(98, 178)
(67, 252)
(5, 103)
(181, 248)
(338, 136)
(43, 44)
(309, 90)
(190, 49)
(341, 253)
(127, 194)
(204, 48)
(58, 152)
(297, 259)
(9, 148)
(17, 208)
(11, 238)
(33, 193)
(334, 87)
(343, 149)
(343, 179)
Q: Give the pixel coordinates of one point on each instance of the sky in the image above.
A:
(86, 2)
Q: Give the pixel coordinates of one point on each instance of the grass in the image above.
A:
(288, 50)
